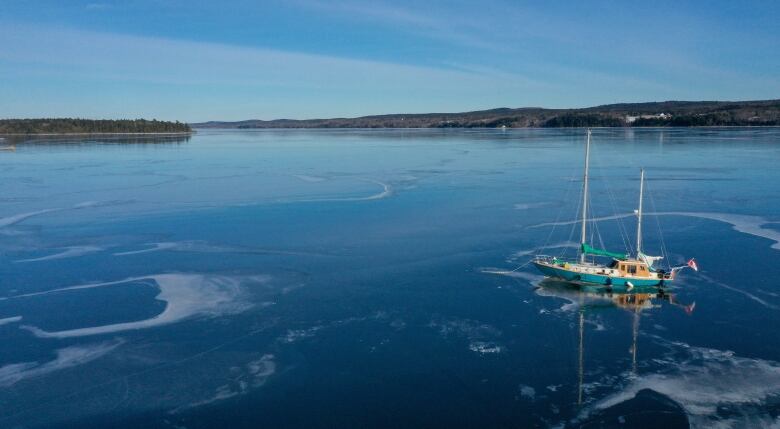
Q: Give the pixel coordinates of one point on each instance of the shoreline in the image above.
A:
(482, 128)
(99, 134)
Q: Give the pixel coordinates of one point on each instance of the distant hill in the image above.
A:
(90, 126)
(656, 114)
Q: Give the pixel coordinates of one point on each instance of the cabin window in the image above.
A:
(622, 267)
(632, 269)
(641, 268)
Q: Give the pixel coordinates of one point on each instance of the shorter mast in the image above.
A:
(585, 200)
(635, 334)
(581, 358)
(639, 214)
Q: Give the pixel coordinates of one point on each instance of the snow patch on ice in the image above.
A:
(8, 320)
(252, 375)
(185, 295)
(65, 358)
(527, 392)
(69, 252)
(708, 381)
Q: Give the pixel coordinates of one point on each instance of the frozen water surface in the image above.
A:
(344, 278)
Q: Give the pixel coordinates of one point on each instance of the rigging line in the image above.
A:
(574, 224)
(521, 266)
(597, 232)
(628, 243)
(569, 240)
(621, 226)
(558, 216)
(601, 239)
(594, 229)
(664, 251)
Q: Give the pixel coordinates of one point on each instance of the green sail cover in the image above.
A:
(587, 249)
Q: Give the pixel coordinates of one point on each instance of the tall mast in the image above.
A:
(585, 199)
(639, 213)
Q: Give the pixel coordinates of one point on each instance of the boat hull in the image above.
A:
(614, 282)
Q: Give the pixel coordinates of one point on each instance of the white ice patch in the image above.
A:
(527, 392)
(8, 320)
(745, 224)
(12, 220)
(485, 347)
(155, 247)
(252, 375)
(66, 358)
(261, 369)
(709, 380)
(387, 191)
(95, 204)
(521, 253)
(596, 324)
(69, 252)
(531, 278)
(294, 335)
(571, 297)
(185, 295)
(740, 291)
(205, 247)
(481, 336)
(527, 206)
(307, 178)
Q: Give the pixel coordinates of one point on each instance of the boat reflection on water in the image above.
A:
(591, 298)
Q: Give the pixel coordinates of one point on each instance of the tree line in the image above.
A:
(90, 126)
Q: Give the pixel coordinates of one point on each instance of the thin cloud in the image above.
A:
(116, 59)
(97, 6)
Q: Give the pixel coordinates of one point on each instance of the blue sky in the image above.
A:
(231, 60)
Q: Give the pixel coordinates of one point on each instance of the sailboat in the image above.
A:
(623, 271)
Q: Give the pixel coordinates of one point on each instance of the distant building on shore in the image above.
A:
(631, 119)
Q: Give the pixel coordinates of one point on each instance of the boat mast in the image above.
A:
(635, 334)
(581, 358)
(585, 199)
(639, 213)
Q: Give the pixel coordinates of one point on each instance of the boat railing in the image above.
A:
(554, 259)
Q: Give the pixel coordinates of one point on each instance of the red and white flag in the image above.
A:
(689, 308)
(692, 264)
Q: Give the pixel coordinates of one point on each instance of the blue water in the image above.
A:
(347, 278)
